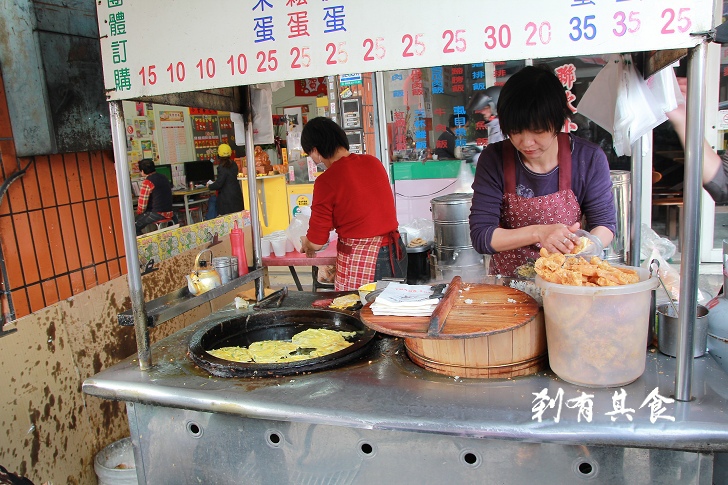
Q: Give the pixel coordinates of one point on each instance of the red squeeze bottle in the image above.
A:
(237, 243)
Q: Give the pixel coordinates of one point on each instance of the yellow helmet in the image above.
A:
(224, 150)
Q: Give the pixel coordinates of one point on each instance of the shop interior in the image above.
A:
(419, 103)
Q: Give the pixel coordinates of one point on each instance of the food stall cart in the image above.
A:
(358, 421)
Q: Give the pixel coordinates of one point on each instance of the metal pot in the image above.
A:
(668, 330)
(452, 207)
(202, 279)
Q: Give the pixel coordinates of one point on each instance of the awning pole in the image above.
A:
(690, 225)
(123, 183)
(635, 225)
(253, 189)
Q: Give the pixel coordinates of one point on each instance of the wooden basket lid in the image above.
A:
(478, 310)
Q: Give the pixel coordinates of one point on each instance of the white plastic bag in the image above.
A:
(465, 179)
(419, 228)
(297, 229)
(620, 101)
(651, 242)
(664, 87)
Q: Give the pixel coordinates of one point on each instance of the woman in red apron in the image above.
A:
(533, 190)
(354, 197)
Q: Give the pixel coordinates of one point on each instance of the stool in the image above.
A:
(316, 285)
(674, 207)
(167, 222)
(195, 213)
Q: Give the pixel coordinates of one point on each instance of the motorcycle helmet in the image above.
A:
(489, 97)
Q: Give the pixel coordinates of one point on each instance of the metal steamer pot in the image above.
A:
(454, 253)
(276, 325)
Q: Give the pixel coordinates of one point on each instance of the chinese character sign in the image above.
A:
(273, 40)
(545, 406)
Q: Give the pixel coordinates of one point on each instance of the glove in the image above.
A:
(591, 247)
(209, 182)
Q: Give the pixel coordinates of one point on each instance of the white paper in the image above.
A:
(239, 126)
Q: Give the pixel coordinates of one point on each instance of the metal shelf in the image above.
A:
(174, 304)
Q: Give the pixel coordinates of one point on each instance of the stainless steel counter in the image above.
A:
(385, 391)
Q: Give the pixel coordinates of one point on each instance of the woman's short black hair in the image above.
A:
(324, 135)
(146, 166)
(533, 99)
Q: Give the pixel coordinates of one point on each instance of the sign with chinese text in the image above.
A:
(274, 40)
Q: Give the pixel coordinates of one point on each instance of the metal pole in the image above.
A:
(382, 122)
(123, 183)
(635, 224)
(690, 225)
(253, 190)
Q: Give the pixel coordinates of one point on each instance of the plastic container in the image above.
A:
(597, 336)
(279, 246)
(114, 465)
(668, 329)
(265, 247)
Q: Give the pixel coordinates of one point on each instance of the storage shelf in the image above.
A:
(176, 303)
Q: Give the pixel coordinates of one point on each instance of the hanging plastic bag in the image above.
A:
(665, 89)
(599, 100)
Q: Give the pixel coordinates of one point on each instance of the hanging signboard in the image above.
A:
(164, 46)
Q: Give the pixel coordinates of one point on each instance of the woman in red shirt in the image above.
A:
(354, 197)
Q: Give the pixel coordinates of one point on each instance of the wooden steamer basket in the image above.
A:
(477, 331)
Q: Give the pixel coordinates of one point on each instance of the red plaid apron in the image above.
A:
(356, 262)
(559, 207)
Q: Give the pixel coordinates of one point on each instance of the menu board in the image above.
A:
(174, 136)
(277, 40)
(210, 128)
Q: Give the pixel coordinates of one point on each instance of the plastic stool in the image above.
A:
(167, 222)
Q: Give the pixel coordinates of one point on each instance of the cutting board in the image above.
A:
(490, 331)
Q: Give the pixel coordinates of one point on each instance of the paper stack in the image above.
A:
(405, 300)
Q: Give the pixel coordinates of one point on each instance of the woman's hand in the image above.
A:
(308, 247)
(557, 238)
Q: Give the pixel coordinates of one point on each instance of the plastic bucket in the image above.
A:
(597, 336)
(668, 330)
(114, 465)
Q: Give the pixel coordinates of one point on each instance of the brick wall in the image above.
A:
(60, 224)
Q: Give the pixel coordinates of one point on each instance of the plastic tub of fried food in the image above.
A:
(597, 318)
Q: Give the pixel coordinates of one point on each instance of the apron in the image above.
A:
(356, 259)
(559, 207)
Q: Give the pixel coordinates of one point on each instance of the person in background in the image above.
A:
(229, 192)
(485, 103)
(532, 189)
(715, 167)
(155, 197)
(445, 147)
(354, 197)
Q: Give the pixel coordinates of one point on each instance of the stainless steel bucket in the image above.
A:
(461, 256)
(668, 330)
(621, 190)
(454, 253)
(451, 208)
